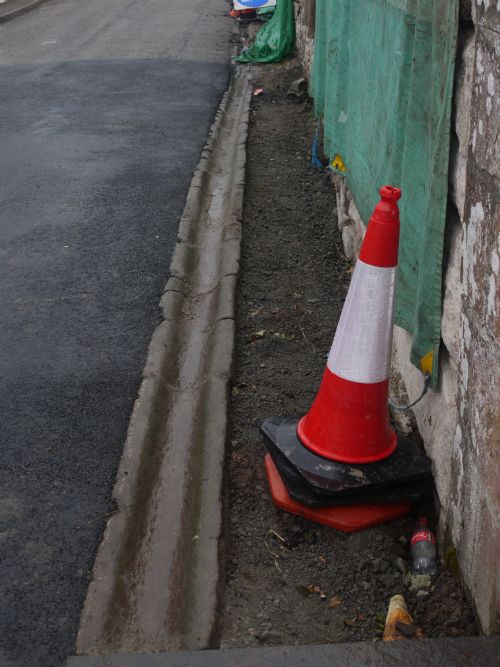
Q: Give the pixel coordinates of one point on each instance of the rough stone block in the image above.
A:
(462, 111)
(485, 105)
(452, 302)
(436, 413)
(485, 13)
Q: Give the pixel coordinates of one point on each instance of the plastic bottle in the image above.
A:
(423, 549)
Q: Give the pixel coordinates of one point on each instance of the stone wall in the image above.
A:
(460, 423)
(305, 15)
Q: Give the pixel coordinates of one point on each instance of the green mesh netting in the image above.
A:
(382, 81)
(276, 39)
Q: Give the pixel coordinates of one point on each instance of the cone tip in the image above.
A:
(390, 193)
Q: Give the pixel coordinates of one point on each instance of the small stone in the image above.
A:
(270, 636)
(418, 582)
(298, 90)
(365, 585)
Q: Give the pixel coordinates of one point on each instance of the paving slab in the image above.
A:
(445, 652)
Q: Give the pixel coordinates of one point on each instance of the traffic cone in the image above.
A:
(344, 448)
(349, 420)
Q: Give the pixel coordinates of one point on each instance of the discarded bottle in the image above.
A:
(423, 549)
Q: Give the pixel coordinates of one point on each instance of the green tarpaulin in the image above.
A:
(276, 39)
(382, 81)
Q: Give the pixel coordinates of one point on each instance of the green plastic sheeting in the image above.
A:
(265, 12)
(276, 39)
(382, 81)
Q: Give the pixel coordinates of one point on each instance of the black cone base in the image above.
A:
(315, 481)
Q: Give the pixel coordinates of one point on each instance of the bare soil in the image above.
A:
(293, 282)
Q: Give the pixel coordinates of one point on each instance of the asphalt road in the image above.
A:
(104, 109)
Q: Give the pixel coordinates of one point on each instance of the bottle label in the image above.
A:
(423, 536)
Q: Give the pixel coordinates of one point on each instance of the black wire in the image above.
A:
(427, 384)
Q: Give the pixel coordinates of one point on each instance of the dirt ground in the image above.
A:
(293, 282)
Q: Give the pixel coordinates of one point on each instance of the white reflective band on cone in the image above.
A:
(361, 350)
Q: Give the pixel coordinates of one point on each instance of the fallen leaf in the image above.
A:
(258, 334)
(380, 622)
(313, 589)
(335, 602)
(235, 391)
(282, 336)
(354, 622)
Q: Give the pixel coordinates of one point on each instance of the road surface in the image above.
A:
(104, 110)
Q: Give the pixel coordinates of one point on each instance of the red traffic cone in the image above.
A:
(349, 419)
(342, 464)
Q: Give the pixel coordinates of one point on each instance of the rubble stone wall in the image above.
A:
(460, 423)
(305, 15)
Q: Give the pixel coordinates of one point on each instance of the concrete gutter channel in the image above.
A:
(12, 8)
(156, 576)
(154, 595)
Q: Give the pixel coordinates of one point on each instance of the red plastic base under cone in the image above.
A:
(348, 518)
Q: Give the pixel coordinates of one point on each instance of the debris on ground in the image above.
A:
(418, 582)
(335, 602)
(239, 13)
(293, 280)
(298, 90)
(316, 162)
(275, 40)
(399, 623)
(423, 549)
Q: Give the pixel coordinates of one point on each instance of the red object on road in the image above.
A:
(348, 518)
(349, 418)
(235, 13)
